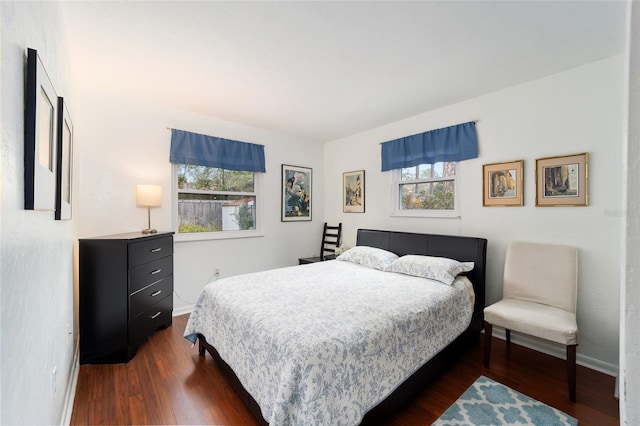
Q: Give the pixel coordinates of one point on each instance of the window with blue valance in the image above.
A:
(453, 143)
(210, 151)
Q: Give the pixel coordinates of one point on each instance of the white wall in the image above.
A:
(630, 291)
(125, 142)
(122, 142)
(576, 111)
(36, 251)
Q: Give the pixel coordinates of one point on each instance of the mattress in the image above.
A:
(323, 343)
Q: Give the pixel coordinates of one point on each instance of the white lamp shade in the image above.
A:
(149, 195)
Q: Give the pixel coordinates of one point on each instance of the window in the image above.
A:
(213, 201)
(425, 190)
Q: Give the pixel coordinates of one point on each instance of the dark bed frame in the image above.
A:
(464, 249)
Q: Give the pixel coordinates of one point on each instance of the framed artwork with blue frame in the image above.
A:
(296, 193)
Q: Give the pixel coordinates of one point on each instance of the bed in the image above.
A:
(344, 341)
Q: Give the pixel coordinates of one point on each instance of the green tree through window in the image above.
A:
(427, 187)
(214, 200)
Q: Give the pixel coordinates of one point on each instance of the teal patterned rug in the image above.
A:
(487, 402)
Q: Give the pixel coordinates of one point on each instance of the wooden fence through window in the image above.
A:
(201, 212)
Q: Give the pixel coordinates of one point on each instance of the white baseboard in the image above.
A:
(183, 310)
(557, 351)
(70, 394)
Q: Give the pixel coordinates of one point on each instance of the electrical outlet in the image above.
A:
(54, 380)
(216, 271)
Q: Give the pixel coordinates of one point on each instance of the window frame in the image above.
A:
(396, 182)
(220, 235)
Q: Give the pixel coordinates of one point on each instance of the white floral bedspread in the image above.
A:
(323, 343)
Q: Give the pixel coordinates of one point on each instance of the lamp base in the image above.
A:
(149, 231)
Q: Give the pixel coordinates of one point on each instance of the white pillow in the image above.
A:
(440, 269)
(369, 256)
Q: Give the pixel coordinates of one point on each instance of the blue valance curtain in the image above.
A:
(453, 143)
(202, 150)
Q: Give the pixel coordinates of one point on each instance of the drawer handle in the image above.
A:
(154, 294)
(156, 315)
(155, 250)
(157, 271)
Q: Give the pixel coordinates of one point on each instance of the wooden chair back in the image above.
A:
(330, 240)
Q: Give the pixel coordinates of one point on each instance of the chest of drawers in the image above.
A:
(126, 293)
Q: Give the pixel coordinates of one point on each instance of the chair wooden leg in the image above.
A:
(571, 371)
(488, 331)
(507, 332)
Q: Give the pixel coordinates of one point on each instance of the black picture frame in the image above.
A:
(64, 171)
(296, 194)
(40, 135)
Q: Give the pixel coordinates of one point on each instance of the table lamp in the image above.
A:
(149, 196)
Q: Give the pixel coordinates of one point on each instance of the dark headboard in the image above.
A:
(463, 249)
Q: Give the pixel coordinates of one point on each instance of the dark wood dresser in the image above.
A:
(126, 293)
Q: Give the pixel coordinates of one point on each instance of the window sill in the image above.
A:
(224, 235)
(436, 214)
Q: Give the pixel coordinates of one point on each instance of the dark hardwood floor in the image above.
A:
(169, 383)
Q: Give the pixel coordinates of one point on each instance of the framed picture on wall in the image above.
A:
(562, 181)
(65, 162)
(296, 193)
(41, 118)
(503, 183)
(353, 192)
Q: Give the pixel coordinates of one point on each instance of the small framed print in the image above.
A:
(353, 192)
(503, 184)
(41, 118)
(296, 193)
(65, 163)
(562, 181)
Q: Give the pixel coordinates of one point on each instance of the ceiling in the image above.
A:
(322, 70)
